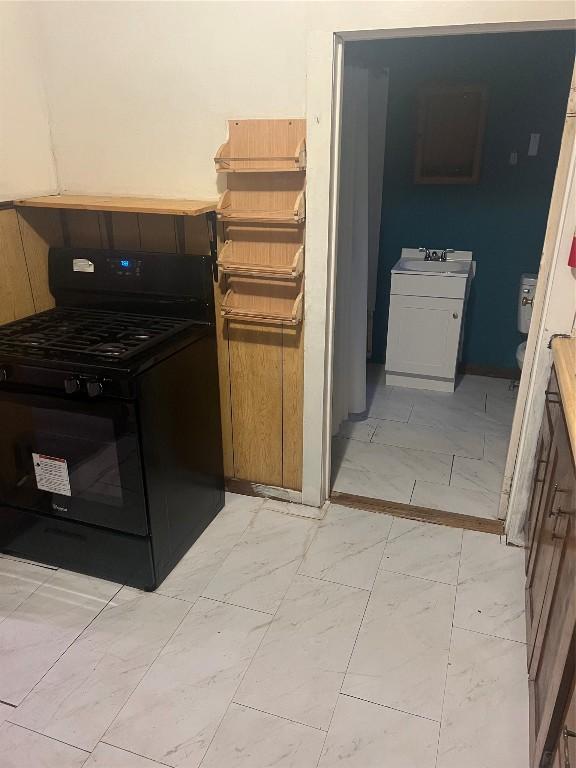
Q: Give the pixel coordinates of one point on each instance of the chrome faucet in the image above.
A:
(435, 255)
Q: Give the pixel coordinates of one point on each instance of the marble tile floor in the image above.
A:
(441, 450)
(280, 641)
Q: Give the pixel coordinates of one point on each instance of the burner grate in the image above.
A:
(92, 334)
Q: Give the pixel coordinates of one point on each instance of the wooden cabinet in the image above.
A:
(451, 121)
(551, 582)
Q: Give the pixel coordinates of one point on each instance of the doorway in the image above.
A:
(403, 442)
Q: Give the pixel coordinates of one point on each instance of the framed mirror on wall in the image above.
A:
(450, 133)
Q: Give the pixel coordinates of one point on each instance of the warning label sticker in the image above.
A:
(51, 474)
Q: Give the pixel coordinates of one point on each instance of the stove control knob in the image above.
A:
(94, 388)
(71, 385)
(3, 374)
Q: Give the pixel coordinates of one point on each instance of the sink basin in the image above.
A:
(436, 267)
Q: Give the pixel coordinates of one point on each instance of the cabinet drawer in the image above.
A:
(428, 285)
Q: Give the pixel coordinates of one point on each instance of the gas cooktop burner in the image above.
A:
(90, 334)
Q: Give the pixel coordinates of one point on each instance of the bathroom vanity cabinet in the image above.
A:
(551, 574)
(425, 321)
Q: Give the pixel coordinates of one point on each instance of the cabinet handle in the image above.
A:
(558, 511)
(551, 512)
(567, 734)
(557, 536)
(455, 315)
(543, 463)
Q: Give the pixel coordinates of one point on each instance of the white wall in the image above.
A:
(139, 93)
(26, 161)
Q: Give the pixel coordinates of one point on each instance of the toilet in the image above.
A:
(525, 299)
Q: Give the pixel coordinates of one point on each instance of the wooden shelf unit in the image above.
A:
(165, 206)
(271, 198)
(259, 300)
(265, 146)
(262, 250)
(266, 302)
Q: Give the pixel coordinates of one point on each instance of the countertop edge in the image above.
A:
(564, 357)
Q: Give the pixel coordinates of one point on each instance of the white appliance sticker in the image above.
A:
(82, 265)
(51, 474)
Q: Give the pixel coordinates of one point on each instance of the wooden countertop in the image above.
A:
(121, 204)
(564, 356)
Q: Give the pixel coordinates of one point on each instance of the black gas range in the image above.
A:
(110, 442)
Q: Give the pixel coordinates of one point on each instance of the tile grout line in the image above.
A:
(154, 660)
(361, 622)
(449, 651)
(279, 717)
(190, 606)
(41, 733)
(487, 634)
(131, 752)
(272, 619)
(52, 738)
(398, 447)
(239, 542)
(394, 709)
(77, 637)
(420, 578)
(331, 581)
(228, 553)
(413, 491)
(235, 605)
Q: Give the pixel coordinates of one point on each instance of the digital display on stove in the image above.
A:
(127, 267)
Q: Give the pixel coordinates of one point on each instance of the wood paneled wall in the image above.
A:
(261, 371)
(15, 289)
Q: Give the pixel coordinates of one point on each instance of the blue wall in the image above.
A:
(503, 218)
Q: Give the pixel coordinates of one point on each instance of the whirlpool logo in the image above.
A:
(58, 508)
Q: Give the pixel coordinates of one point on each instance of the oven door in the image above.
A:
(73, 459)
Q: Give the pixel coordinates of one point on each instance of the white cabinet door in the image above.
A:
(423, 336)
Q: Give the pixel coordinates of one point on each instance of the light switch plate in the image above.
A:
(533, 144)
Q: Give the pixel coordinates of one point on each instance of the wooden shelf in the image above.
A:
(262, 301)
(262, 259)
(264, 146)
(268, 198)
(121, 204)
